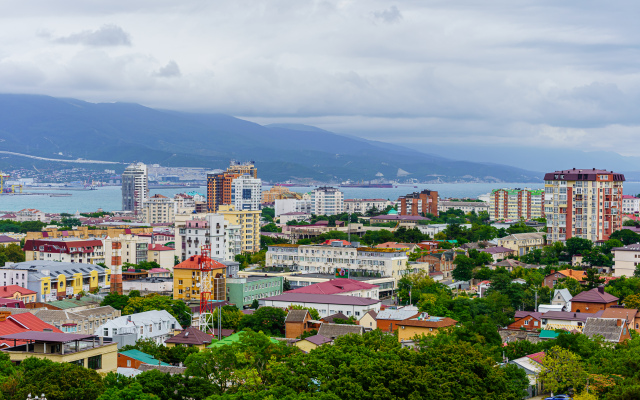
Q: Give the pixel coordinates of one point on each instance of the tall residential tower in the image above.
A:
(135, 187)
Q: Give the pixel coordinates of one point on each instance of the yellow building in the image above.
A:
(368, 321)
(312, 343)
(15, 292)
(249, 222)
(187, 280)
(423, 324)
(279, 193)
(86, 350)
(522, 243)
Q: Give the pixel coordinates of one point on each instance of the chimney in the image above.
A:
(575, 315)
(619, 322)
(601, 289)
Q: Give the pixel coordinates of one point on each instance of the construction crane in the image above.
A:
(2, 177)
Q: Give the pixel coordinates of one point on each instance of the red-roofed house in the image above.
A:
(158, 273)
(341, 286)
(88, 251)
(15, 292)
(163, 255)
(23, 322)
(529, 320)
(593, 301)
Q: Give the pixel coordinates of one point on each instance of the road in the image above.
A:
(79, 161)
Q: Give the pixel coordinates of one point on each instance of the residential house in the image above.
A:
(88, 351)
(387, 320)
(626, 259)
(440, 262)
(242, 292)
(163, 255)
(613, 330)
(235, 338)
(553, 278)
(532, 366)
(82, 321)
(368, 321)
(363, 205)
(87, 251)
(593, 301)
(522, 243)
(630, 315)
(630, 204)
(510, 264)
(423, 324)
(134, 358)
(15, 292)
(527, 320)
(562, 297)
(333, 331)
(7, 240)
(16, 321)
(187, 278)
(294, 216)
(190, 337)
(410, 247)
(326, 304)
(466, 206)
(498, 253)
(296, 323)
(341, 286)
(155, 325)
(568, 321)
(419, 203)
(333, 317)
(399, 219)
(312, 343)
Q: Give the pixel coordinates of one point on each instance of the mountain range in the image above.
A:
(69, 129)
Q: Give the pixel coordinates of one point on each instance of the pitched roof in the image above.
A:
(318, 340)
(10, 291)
(429, 322)
(296, 316)
(572, 273)
(159, 247)
(143, 357)
(372, 313)
(524, 314)
(8, 239)
(331, 318)
(569, 316)
(496, 250)
(547, 334)
(322, 299)
(566, 295)
(537, 357)
(334, 286)
(193, 262)
(627, 314)
(163, 368)
(333, 331)
(190, 335)
(609, 328)
(629, 247)
(596, 295)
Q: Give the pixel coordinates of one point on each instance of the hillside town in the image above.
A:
(245, 293)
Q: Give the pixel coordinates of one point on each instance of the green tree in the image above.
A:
(570, 283)
(231, 317)
(562, 370)
(576, 245)
(131, 392)
(154, 301)
(593, 280)
(115, 300)
(632, 301)
(312, 311)
(268, 214)
(271, 227)
(626, 236)
(269, 320)
(12, 252)
(464, 268)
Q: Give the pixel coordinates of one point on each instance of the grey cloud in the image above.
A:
(107, 35)
(170, 70)
(390, 15)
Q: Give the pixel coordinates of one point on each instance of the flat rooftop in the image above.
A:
(52, 337)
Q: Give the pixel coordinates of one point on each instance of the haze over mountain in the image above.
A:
(125, 132)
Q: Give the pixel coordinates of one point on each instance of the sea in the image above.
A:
(108, 198)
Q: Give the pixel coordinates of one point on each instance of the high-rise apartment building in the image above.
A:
(247, 238)
(158, 209)
(246, 193)
(516, 204)
(327, 201)
(200, 231)
(220, 183)
(135, 187)
(419, 203)
(584, 203)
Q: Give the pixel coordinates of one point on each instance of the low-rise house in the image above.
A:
(411, 219)
(15, 292)
(7, 240)
(593, 301)
(82, 321)
(159, 273)
(162, 286)
(11, 303)
(296, 323)
(156, 325)
(294, 216)
(527, 320)
(498, 253)
(626, 259)
(562, 297)
(531, 365)
(341, 286)
(568, 321)
(441, 262)
(630, 315)
(411, 247)
(466, 206)
(332, 318)
(190, 337)
(387, 320)
(333, 331)
(14, 322)
(553, 278)
(87, 350)
(134, 358)
(423, 324)
(312, 343)
(523, 243)
(326, 304)
(162, 255)
(368, 321)
(510, 264)
(613, 330)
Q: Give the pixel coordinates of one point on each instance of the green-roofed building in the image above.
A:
(516, 204)
(235, 338)
(66, 304)
(548, 335)
(133, 359)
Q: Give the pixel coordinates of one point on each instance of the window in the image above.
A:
(128, 363)
(106, 331)
(95, 362)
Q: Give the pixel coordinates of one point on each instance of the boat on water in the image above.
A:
(368, 185)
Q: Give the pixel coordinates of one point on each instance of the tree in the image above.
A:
(269, 320)
(576, 245)
(11, 252)
(570, 283)
(115, 300)
(132, 392)
(154, 301)
(561, 370)
(593, 279)
(464, 268)
(632, 301)
(626, 236)
(271, 227)
(231, 317)
(286, 285)
(268, 214)
(255, 304)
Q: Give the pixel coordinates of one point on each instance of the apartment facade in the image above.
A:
(155, 325)
(285, 206)
(135, 187)
(419, 203)
(515, 204)
(326, 259)
(220, 183)
(630, 204)
(584, 203)
(327, 201)
(87, 251)
(363, 205)
(244, 225)
(200, 231)
(53, 279)
(187, 279)
(246, 193)
(626, 260)
(158, 209)
(466, 206)
(243, 291)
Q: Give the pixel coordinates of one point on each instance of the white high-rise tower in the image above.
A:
(135, 187)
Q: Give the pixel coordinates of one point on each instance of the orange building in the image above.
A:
(187, 279)
(219, 184)
(593, 301)
(419, 204)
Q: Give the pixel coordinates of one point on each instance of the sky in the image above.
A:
(529, 74)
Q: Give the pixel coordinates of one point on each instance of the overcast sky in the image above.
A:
(530, 73)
